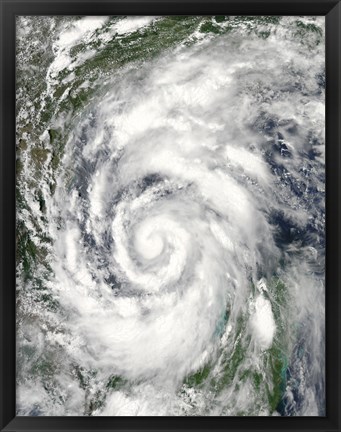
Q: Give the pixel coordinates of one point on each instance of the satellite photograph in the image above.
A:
(170, 199)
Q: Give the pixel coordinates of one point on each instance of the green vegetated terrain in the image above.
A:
(266, 378)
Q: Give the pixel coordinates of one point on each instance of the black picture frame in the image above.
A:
(9, 9)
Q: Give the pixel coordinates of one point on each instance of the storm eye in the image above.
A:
(150, 180)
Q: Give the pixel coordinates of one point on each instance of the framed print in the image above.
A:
(170, 215)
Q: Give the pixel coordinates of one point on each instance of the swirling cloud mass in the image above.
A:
(176, 217)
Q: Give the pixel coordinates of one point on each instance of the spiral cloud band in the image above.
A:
(188, 239)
